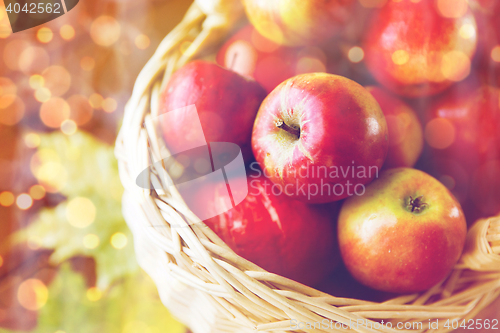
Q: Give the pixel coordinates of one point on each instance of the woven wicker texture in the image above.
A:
(211, 289)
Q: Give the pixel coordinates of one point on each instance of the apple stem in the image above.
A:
(416, 205)
(293, 131)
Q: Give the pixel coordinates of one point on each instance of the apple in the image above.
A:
(462, 131)
(269, 63)
(404, 234)
(226, 103)
(484, 6)
(281, 235)
(298, 22)
(419, 48)
(488, 54)
(406, 139)
(320, 136)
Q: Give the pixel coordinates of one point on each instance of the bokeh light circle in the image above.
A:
(452, 8)
(57, 79)
(91, 241)
(109, 105)
(33, 60)
(54, 111)
(8, 91)
(42, 94)
(24, 201)
(355, 54)
(105, 30)
(32, 294)
(80, 212)
(7, 198)
(46, 166)
(32, 140)
(439, 133)
(69, 127)
(67, 32)
(96, 100)
(94, 294)
(142, 42)
(118, 240)
(12, 52)
(36, 81)
(400, 57)
(80, 109)
(44, 35)
(37, 192)
(455, 65)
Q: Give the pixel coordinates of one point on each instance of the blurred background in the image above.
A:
(67, 262)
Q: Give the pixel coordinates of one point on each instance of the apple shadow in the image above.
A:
(340, 283)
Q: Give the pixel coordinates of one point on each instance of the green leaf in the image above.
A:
(128, 307)
(85, 171)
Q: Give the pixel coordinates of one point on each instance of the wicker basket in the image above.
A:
(211, 289)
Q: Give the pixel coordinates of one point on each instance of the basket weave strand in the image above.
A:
(210, 288)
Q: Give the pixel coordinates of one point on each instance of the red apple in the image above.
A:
(463, 134)
(420, 48)
(269, 63)
(298, 22)
(281, 235)
(488, 55)
(226, 103)
(406, 139)
(320, 136)
(484, 6)
(404, 234)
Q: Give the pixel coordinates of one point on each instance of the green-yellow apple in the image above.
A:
(404, 234)
(250, 54)
(298, 22)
